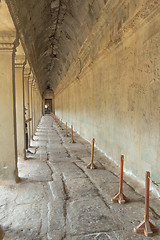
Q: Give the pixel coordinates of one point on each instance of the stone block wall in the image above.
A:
(112, 90)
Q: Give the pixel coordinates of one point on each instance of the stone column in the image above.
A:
(8, 138)
(40, 106)
(27, 72)
(43, 103)
(36, 106)
(33, 106)
(19, 87)
(31, 78)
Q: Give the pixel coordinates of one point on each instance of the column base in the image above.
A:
(8, 176)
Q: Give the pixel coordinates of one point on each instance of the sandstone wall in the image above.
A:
(115, 96)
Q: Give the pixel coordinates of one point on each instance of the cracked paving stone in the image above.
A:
(68, 169)
(58, 198)
(35, 170)
(97, 236)
(80, 189)
(89, 215)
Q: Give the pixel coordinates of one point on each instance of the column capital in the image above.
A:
(8, 39)
(8, 42)
(31, 78)
(33, 83)
(20, 59)
(36, 85)
(27, 70)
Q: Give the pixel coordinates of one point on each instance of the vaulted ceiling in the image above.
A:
(52, 32)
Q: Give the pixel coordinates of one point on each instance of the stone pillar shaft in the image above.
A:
(33, 107)
(30, 107)
(26, 95)
(19, 86)
(8, 139)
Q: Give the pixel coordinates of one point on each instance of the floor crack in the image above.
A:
(98, 192)
(66, 198)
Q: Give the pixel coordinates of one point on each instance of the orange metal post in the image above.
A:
(61, 124)
(72, 140)
(120, 197)
(121, 175)
(92, 165)
(146, 226)
(56, 119)
(66, 130)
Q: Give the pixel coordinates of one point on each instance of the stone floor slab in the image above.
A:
(89, 216)
(58, 198)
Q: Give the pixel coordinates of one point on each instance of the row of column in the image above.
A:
(20, 100)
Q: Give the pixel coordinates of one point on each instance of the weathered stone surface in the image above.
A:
(36, 170)
(89, 215)
(111, 90)
(80, 188)
(72, 30)
(101, 59)
(8, 139)
(62, 199)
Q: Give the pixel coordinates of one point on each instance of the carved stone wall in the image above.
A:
(115, 96)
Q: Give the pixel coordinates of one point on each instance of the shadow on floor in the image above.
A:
(1, 233)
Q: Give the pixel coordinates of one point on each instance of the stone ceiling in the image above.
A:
(52, 32)
(62, 38)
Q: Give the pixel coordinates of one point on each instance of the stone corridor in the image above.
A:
(59, 198)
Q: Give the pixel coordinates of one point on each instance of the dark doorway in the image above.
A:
(48, 106)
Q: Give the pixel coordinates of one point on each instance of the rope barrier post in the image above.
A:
(146, 226)
(92, 165)
(61, 125)
(66, 130)
(120, 197)
(72, 140)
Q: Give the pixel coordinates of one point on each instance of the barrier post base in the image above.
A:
(91, 166)
(147, 228)
(120, 198)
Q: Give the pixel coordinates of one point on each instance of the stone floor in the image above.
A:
(58, 198)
